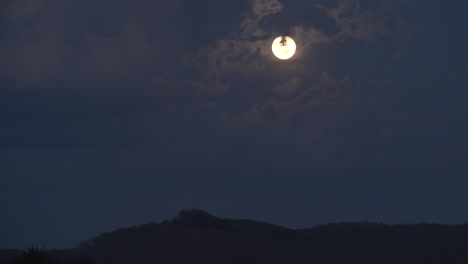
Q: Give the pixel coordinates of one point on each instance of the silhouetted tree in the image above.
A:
(38, 256)
(35, 256)
(83, 259)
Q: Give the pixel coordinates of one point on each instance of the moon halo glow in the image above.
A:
(283, 47)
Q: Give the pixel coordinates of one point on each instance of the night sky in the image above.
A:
(117, 112)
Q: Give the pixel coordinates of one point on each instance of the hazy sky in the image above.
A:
(119, 112)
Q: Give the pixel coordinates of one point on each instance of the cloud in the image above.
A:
(368, 22)
(227, 60)
(126, 54)
(248, 60)
(177, 57)
(35, 62)
(36, 48)
(83, 43)
(19, 9)
(296, 99)
(288, 87)
(262, 8)
(307, 37)
(244, 57)
(258, 10)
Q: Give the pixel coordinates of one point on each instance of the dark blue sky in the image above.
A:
(117, 112)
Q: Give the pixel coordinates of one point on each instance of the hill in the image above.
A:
(195, 236)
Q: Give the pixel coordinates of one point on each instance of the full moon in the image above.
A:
(283, 47)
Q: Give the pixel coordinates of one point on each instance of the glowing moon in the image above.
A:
(283, 47)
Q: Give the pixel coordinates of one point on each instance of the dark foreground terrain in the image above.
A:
(197, 237)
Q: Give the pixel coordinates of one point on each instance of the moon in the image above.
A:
(283, 47)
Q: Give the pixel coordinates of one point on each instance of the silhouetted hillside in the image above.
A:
(195, 236)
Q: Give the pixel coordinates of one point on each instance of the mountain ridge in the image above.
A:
(198, 237)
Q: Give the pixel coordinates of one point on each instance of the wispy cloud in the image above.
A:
(258, 10)
(368, 23)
